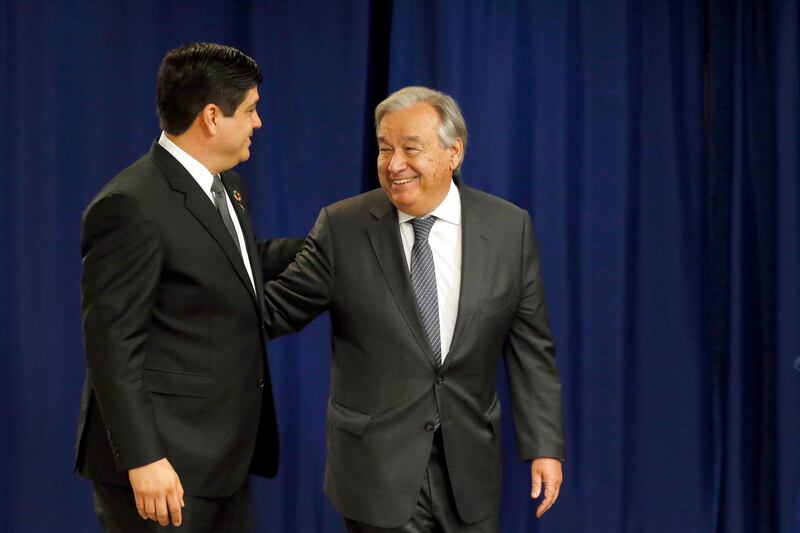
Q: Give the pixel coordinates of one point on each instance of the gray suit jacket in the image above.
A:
(385, 388)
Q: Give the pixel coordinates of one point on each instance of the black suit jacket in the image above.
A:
(173, 333)
(386, 390)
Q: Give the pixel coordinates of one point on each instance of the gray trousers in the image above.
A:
(435, 511)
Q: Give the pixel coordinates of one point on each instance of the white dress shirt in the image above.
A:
(445, 243)
(204, 179)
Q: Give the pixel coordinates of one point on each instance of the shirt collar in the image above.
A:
(449, 210)
(200, 173)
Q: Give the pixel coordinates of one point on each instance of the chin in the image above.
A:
(399, 200)
(410, 208)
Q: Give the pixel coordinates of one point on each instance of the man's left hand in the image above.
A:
(545, 471)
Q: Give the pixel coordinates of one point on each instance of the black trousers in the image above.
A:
(435, 511)
(116, 509)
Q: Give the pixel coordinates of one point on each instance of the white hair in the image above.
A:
(451, 122)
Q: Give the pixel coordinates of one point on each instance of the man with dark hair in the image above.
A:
(177, 407)
(429, 284)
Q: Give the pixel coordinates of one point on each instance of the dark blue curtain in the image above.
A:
(753, 251)
(655, 144)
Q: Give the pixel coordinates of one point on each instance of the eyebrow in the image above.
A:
(382, 139)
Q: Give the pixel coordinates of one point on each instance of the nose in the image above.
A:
(256, 120)
(398, 162)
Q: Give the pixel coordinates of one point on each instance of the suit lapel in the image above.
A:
(384, 235)
(200, 206)
(474, 244)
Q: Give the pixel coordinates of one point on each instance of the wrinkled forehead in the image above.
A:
(418, 122)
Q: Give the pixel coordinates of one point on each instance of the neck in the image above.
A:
(196, 146)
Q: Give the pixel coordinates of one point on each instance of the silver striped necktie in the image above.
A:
(423, 278)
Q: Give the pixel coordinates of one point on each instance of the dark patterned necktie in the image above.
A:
(423, 278)
(222, 206)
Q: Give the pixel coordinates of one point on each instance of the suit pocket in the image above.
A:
(179, 383)
(347, 418)
(492, 414)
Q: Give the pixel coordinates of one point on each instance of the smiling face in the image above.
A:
(237, 129)
(415, 170)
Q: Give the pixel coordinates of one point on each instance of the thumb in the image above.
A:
(536, 484)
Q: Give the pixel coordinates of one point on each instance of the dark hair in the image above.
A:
(195, 75)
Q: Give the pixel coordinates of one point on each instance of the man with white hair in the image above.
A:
(429, 283)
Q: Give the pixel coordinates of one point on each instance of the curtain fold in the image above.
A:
(752, 253)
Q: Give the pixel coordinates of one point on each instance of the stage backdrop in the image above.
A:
(655, 144)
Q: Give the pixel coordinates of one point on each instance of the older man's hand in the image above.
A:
(545, 471)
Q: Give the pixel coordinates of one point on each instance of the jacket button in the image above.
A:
(440, 380)
(429, 426)
(260, 383)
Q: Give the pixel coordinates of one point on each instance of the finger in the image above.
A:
(161, 511)
(180, 493)
(536, 485)
(174, 508)
(150, 508)
(547, 501)
(540, 510)
(140, 506)
(555, 496)
(544, 504)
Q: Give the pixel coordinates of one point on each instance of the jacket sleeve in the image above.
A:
(121, 268)
(531, 366)
(305, 288)
(277, 254)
